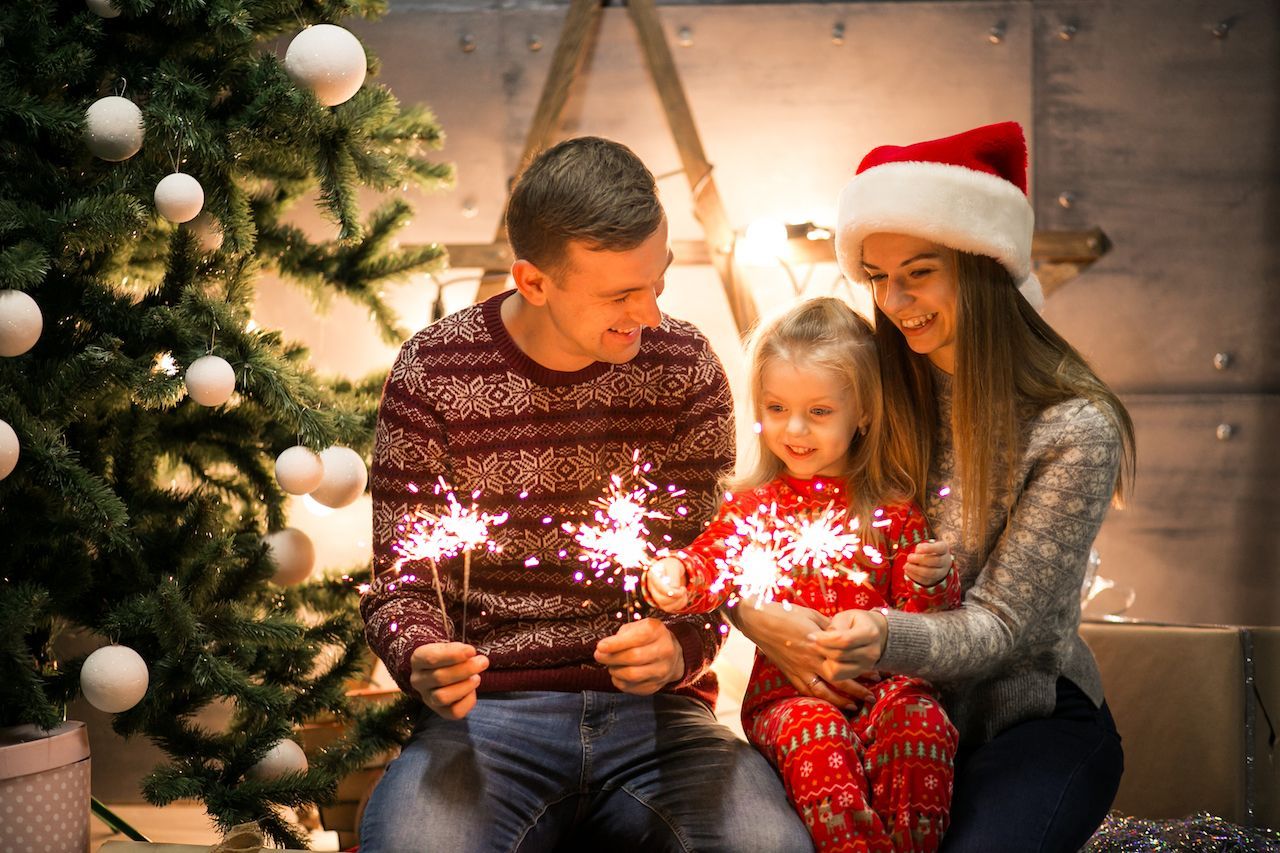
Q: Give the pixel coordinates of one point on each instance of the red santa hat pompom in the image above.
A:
(967, 191)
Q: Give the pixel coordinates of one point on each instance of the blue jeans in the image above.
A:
(1041, 786)
(592, 771)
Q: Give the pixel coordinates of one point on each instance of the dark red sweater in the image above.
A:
(463, 402)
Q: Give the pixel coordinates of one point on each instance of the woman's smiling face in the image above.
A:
(914, 284)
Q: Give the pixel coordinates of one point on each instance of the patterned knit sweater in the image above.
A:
(463, 402)
(997, 658)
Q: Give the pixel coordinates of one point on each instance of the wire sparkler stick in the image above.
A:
(437, 536)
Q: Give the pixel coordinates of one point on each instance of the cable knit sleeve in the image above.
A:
(402, 613)
(1030, 580)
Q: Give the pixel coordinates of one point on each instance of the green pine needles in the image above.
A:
(135, 513)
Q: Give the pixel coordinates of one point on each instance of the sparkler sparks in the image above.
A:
(434, 537)
(617, 543)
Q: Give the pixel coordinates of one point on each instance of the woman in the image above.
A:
(1015, 448)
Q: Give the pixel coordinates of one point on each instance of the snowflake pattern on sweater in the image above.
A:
(463, 403)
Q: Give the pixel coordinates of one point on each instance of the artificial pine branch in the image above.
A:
(135, 514)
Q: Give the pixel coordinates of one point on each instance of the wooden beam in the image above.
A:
(579, 22)
(707, 205)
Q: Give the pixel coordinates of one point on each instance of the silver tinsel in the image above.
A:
(1200, 832)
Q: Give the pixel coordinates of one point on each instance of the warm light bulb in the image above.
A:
(764, 242)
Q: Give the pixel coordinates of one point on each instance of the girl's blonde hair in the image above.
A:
(825, 334)
(1010, 366)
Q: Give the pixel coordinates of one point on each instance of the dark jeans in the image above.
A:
(1040, 786)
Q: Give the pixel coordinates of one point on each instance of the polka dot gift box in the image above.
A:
(44, 789)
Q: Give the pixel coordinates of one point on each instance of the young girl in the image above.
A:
(878, 778)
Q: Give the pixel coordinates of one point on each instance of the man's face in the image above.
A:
(599, 302)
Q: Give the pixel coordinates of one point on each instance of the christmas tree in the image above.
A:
(142, 411)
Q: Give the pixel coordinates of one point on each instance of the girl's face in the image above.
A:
(807, 419)
(914, 284)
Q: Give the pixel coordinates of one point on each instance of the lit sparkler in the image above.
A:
(434, 537)
(619, 537)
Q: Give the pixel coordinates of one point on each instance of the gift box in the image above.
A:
(44, 789)
(1197, 708)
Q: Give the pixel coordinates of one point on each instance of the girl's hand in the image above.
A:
(664, 584)
(784, 635)
(930, 562)
(851, 645)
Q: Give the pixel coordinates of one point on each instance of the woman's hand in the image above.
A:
(930, 562)
(851, 645)
(784, 635)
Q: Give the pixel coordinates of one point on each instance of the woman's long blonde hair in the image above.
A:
(825, 334)
(1010, 365)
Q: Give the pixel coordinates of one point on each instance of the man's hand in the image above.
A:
(665, 584)
(446, 676)
(929, 562)
(643, 657)
(852, 644)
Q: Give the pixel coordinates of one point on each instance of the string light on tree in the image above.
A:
(299, 470)
(210, 380)
(344, 479)
(9, 448)
(20, 323)
(103, 8)
(283, 758)
(294, 555)
(113, 128)
(179, 197)
(114, 679)
(328, 60)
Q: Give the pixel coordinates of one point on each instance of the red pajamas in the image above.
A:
(874, 779)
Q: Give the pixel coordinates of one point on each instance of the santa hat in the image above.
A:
(967, 191)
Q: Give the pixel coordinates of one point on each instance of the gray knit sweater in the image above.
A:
(998, 657)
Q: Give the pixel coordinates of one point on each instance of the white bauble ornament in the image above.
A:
(210, 380)
(344, 477)
(20, 322)
(285, 757)
(179, 197)
(208, 231)
(114, 679)
(299, 470)
(329, 61)
(9, 448)
(113, 128)
(103, 8)
(294, 556)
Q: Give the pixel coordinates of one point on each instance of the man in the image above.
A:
(562, 723)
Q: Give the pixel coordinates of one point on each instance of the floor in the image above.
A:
(178, 823)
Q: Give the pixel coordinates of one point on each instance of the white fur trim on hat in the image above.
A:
(954, 206)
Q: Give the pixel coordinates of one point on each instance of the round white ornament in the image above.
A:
(294, 556)
(344, 477)
(285, 757)
(9, 448)
(114, 679)
(299, 470)
(329, 61)
(179, 197)
(208, 231)
(210, 380)
(20, 322)
(113, 128)
(103, 8)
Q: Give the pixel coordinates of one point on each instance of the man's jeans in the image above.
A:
(580, 771)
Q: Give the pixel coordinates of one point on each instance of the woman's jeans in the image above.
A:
(592, 771)
(1039, 786)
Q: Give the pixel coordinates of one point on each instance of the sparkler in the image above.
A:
(764, 551)
(619, 538)
(434, 537)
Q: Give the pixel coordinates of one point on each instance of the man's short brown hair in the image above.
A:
(592, 190)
